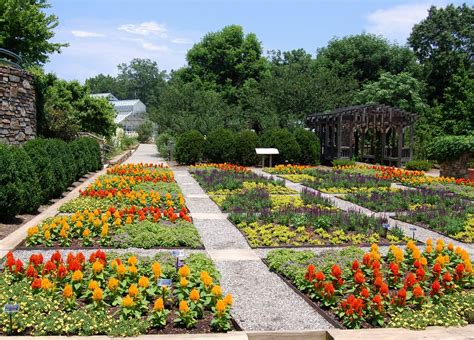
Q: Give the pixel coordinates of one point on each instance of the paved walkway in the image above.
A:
(421, 234)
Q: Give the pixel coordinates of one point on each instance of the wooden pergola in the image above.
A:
(373, 133)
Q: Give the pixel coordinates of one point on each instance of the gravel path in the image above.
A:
(262, 300)
(420, 233)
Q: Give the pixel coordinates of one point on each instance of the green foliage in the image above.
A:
(163, 143)
(286, 144)
(448, 148)
(443, 44)
(309, 146)
(343, 162)
(28, 34)
(19, 186)
(418, 165)
(220, 146)
(190, 147)
(245, 144)
(96, 115)
(145, 131)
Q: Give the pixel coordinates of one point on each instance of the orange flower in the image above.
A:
(206, 279)
(46, 284)
(67, 291)
(143, 282)
(156, 268)
(97, 267)
(133, 290)
(184, 271)
(121, 270)
(220, 306)
(183, 282)
(86, 233)
(228, 300)
(132, 260)
(113, 284)
(133, 270)
(159, 305)
(216, 291)
(97, 295)
(194, 295)
(77, 276)
(127, 301)
(93, 285)
(183, 307)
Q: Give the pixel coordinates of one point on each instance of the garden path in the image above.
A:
(421, 234)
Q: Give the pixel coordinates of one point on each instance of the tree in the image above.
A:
(26, 29)
(96, 115)
(365, 56)
(106, 84)
(397, 90)
(444, 44)
(145, 131)
(225, 60)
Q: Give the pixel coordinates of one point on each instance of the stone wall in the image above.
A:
(17, 106)
(457, 168)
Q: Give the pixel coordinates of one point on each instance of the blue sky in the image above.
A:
(104, 33)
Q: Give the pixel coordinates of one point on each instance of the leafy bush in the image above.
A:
(163, 142)
(286, 144)
(343, 162)
(448, 148)
(309, 145)
(220, 146)
(418, 165)
(20, 190)
(189, 147)
(245, 144)
(145, 131)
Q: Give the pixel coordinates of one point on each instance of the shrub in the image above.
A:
(286, 144)
(418, 165)
(86, 151)
(63, 164)
(37, 150)
(19, 186)
(163, 142)
(245, 144)
(189, 147)
(343, 162)
(220, 146)
(145, 131)
(309, 146)
(448, 148)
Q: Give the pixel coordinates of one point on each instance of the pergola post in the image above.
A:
(411, 142)
(400, 147)
(338, 137)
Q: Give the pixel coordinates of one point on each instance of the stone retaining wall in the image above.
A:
(457, 168)
(17, 106)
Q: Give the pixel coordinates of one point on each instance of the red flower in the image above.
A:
(384, 289)
(418, 292)
(437, 269)
(336, 271)
(417, 264)
(80, 257)
(376, 266)
(394, 269)
(435, 288)
(378, 282)
(359, 277)
(309, 276)
(402, 296)
(364, 293)
(99, 255)
(410, 280)
(36, 284)
(18, 266)
(36, 259)
(10, 260)
(447, 277)
(420, 274)
(74, 265)
(49, 267)
(56, 257)
(31, 271)
(378, 302)
(62, 271)
(320, 276)
(329, 289)
(366, 259)
(459, 271)
(355, 265)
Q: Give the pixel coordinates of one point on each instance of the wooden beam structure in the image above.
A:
(382, 134)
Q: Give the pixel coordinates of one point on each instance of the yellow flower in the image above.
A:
(216, 290)
(67, 291)
(93, 285)
(46, 284)
(183, 282)
(133, 270)
(47, 235)
(423, 261)
(183, 306)
(97, 267)
(77, 276)
(105, 230)
(144, 282)
(86, 233)
(159, 305)
(374, 247)
(121, 270)
(228, 299)
(132, 260)
(194, 295)
(129, 220)
(127, 301)
(97, 294)
(113, 284)
(220, 306)
(79, 224)
(156, 268)
(184, 271)
(133, 290)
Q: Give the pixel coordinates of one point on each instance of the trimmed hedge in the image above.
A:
(220, 146)
(418, 165)
(19, 185)
(286, 144)
(42, 169)
(309, 146)
(190, 147)
(449, 148)
(343, 162)
(245, 144)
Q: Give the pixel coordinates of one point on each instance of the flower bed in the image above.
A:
(410, 289)
(112, 295)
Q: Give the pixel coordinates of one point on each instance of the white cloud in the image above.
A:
(86, 34)
(396, 23)
(180, 41)
(152, 47)
(145, 28)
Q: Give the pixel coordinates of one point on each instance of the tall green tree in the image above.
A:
(26, 29)
(102, 83)
(225, 60)
(444, 45)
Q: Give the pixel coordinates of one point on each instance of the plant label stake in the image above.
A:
(179, 255)
(164, 284)
(11, 309)
(413, 229)
(386, 228)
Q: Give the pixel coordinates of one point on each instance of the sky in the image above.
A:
(104, 33)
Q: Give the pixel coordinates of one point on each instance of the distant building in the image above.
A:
(130, 113)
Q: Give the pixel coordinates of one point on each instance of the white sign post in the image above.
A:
(266, 152)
